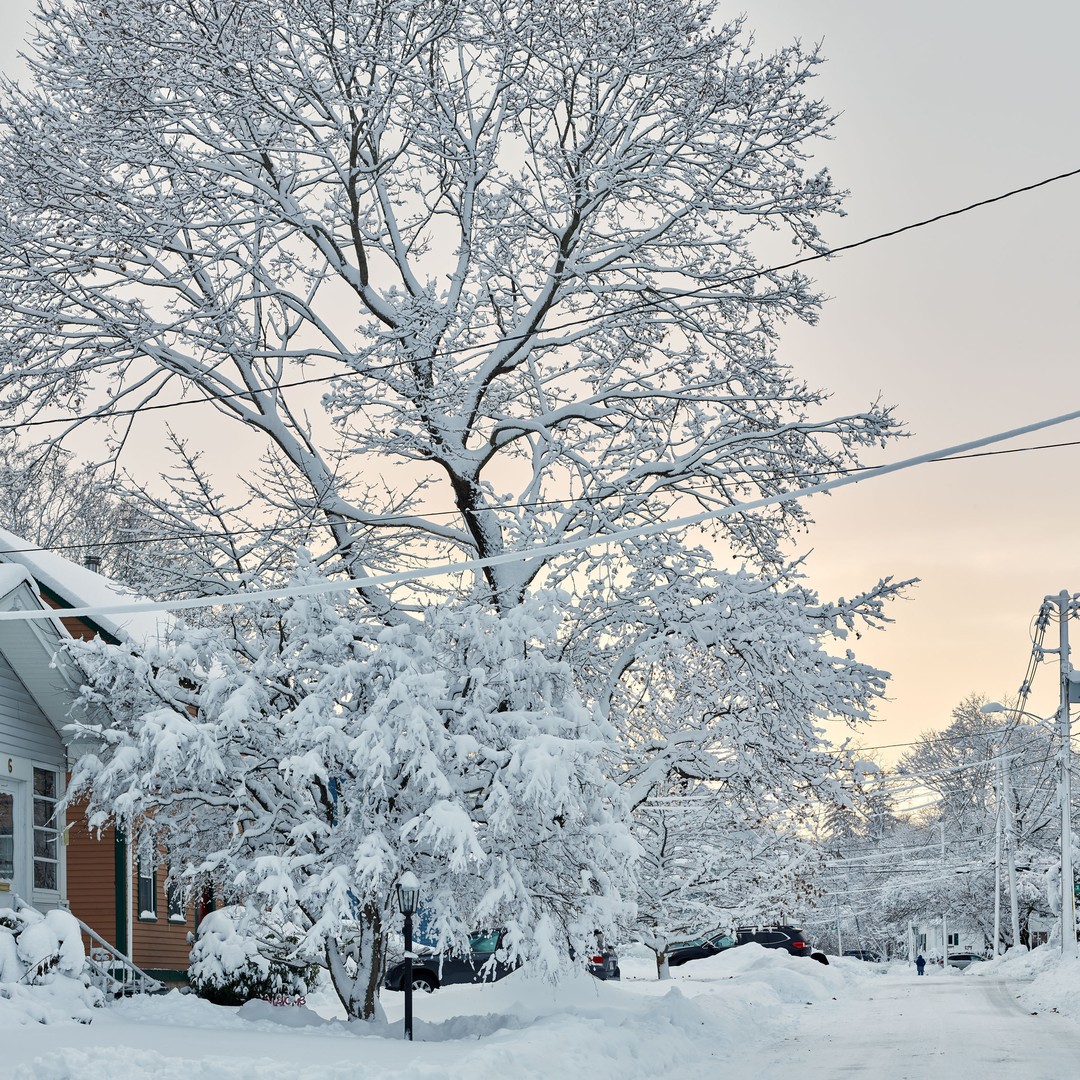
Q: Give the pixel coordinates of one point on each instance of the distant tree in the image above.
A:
(939, 859)
(480, 278)
(48, 499)
(722, 681)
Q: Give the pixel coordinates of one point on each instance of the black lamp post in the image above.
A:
(408, 896)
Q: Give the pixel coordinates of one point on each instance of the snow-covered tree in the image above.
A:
(719, 683)
(481, 282)
(311, 775)
(49, 500)
(964, 764)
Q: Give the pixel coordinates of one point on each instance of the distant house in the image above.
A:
(99, 878)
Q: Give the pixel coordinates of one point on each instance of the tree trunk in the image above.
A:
(662, 969)
(355, 962)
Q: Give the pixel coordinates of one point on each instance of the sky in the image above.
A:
(968, 327)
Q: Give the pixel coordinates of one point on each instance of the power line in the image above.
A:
(542, 552)
(629, 309)
(405, 519)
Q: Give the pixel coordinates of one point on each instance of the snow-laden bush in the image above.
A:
(239, 955)
(44, 946)
(42, 966)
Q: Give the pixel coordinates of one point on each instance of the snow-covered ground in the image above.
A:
(717, 1016)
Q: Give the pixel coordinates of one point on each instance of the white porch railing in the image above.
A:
(113, 973)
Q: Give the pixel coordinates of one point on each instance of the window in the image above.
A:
(174, 896)
(954, 939)
(147, 888)
(46, 831)
(7, 836)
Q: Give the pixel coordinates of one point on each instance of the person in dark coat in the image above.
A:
(920, 963)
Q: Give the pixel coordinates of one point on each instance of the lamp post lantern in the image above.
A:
(408, 896)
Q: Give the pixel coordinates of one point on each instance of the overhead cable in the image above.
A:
(629, 309)
(543, 552)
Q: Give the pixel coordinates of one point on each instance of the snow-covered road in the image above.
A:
(748, 1014)
(910, 1028)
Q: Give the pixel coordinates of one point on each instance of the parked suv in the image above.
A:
(775, 937)
(964, 959)
(864, 954)
(715, 941)
(481, 963)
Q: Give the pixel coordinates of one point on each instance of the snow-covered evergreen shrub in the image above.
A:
(238, 956)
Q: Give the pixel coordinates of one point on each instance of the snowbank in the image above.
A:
(1048, 982)
(710, 1013)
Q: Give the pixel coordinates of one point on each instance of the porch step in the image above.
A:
(113, 973)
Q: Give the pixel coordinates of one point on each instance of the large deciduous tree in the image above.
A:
(481, 279)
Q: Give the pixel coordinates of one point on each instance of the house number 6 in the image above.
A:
(10, 765)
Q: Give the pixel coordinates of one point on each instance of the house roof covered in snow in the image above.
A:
(33, 650)
(70, 585)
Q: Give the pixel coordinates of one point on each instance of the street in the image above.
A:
(910, 1028)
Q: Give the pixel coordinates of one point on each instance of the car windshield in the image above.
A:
(485, 943)
(722, 941)
(686, 944)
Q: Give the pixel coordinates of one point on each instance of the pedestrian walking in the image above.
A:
(920, 963)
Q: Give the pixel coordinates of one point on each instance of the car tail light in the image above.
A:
(798, 944)
(597, 959)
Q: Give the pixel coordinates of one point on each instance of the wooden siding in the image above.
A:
(91, 876)
(80, 628)
(24, 729)
(160, 943)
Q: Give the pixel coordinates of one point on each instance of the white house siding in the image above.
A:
(27, 741)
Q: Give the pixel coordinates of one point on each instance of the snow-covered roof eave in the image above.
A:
(79, 586)
(34, 649)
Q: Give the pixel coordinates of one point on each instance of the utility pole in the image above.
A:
(1068, 903)
(1010, 844)
(997, 857)
(944, 924)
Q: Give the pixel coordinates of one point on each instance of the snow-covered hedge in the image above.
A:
(239, 956)
(42, 965)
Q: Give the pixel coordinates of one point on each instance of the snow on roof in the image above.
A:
(81, 587)
(11, 576)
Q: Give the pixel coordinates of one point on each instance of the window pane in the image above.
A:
(44, 811)
(44, 844)
(147, 889)
(484, 943)
(7, 836)
(44, 875)
(175, 897)
(45, 783)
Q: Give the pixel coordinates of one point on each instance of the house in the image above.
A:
(98, 877)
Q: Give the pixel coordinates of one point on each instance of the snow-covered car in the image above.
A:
(791, 938)
(965, 959)
(431, 969)
(864, 954)
(709, 944)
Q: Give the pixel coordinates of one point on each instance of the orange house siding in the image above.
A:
(91, 875)
(160, 943)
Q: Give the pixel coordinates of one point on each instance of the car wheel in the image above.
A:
(424, 983)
